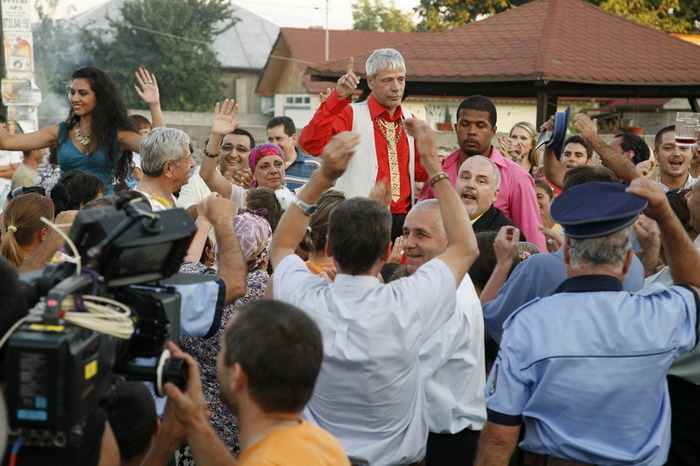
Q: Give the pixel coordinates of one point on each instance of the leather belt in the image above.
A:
(535, 459)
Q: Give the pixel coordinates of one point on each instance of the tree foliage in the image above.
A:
(665, 15)
(57, 52)
(171, 38)
(370, 15)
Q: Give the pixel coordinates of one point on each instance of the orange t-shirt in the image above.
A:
(305, 444)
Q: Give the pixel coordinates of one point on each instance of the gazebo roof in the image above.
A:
(567, 41)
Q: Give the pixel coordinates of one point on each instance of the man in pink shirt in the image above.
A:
(476, 127)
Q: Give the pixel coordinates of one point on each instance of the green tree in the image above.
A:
(370, 15)
(171, 38)
(57, 52)
(665, 15)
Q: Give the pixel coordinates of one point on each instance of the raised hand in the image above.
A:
(336, 155)
(240, 176)
(548, 125)
(505, 246)
(426, 140)
(225, 117)
(381, 192)
(587, 127)
(147, 87)
(348, 82)
(396, 251)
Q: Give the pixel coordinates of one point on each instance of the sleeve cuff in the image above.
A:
(503, 419)
(220, 299)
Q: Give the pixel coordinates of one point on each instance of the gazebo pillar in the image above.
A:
(546, 106)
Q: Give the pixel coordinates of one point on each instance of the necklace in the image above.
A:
(82, 139)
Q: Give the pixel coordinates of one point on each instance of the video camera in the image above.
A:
(88, 325)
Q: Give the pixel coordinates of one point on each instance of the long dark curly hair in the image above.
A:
(110, 115)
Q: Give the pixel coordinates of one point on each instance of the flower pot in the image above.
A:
(444, 126)
(638, 130)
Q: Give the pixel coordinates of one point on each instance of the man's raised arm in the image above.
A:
(292, 226)
(462, 249)
(618, 163)
(682, 256)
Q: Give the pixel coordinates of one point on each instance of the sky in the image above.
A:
(285, 13)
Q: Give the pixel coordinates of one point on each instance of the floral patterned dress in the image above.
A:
(206, 351)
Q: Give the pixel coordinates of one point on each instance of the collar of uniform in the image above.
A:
(376, 110)
(584, 283)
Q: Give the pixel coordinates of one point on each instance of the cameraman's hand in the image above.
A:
(188, 408)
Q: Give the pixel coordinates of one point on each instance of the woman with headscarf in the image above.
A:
(254, 235)
(265, 163)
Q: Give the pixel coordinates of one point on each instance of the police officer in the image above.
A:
(585, 369)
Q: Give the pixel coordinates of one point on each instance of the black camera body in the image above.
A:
(57, 371)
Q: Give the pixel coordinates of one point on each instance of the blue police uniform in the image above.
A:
(585, 368)
(538, 277)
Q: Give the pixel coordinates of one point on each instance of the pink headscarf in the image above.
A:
(261, 151)
(254, 235)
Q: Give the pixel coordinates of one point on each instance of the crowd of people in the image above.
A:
(380, 303)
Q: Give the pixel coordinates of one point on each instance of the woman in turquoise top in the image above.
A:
(97, 132)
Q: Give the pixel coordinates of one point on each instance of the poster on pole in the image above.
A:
(17, 38)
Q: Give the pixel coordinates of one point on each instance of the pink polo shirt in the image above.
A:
(516, 195)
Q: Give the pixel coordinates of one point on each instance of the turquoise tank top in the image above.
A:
(96, 163)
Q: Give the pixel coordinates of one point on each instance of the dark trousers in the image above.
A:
(452, 449)
(397, 225)
(685, 422)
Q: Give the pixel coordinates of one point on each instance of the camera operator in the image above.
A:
(98, 446)
(269, 360)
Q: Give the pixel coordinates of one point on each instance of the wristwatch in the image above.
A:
(308, 209)
(211, 156)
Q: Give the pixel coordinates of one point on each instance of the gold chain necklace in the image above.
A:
(82, 139)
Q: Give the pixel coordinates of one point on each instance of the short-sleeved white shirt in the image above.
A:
(369, 393)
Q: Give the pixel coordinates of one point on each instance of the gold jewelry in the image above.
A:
(82, 139)
(437, 177)
(392, 137)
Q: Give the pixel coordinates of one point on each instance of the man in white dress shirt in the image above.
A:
(369, 393)
(452, 359)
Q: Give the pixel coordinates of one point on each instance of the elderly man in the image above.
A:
(386, 151)
(478, 185)
(452, 359)
(541, 274)
(475, 128)
(166, 162)
(585, 369)
(369, 393)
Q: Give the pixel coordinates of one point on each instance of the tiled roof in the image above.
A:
(308, 46)
(550, 40)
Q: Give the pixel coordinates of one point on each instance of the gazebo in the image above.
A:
(545, 49)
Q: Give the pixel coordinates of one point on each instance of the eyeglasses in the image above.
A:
(238, 148)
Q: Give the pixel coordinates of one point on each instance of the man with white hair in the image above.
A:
(386, 152)
(166, 162)
(478, 184)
